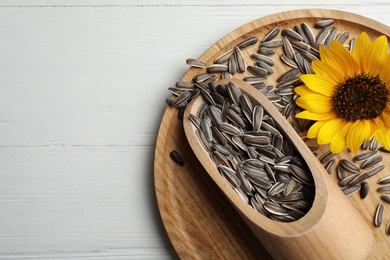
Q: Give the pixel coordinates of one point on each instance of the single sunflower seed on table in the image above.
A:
(364, 189)
(349, 166)
(371, 161)
(386, 198)
(384, 180)
(348, 191)
(176, 157)
(379, 215)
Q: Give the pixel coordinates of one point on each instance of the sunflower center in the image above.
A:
(360, 97)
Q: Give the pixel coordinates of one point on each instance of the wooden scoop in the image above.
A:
(331, 229)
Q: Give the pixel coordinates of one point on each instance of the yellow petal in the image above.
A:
(318, 85)
(383, 137)
(360, 49)
(316, 116)
(376, 55)
(358, 132)
(351, 66)
(303, 90)
(313, 130)
(385, 117)
(327, 72)
(316, 103)
(384, 73)
(332, 58)
(338, 142)
(327, 131)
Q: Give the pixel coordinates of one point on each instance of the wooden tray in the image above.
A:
(199, 220)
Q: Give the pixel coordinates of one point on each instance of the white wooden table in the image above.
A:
(82, 90)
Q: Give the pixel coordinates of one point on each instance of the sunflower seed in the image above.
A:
(234, 117)
(202, 77)
(288, 49)
(195, 63)
(217, 68)
(287, 32)
(257, 71)
(308, 32)
(384, 180)
(288, 61)
(345, 182)
(206, 128)
(300, 45)
(379, 215)
(386, 198)
(326, 157)
(232, 65)
(299, 30)
(176, 157)
(271, 34)
(277, 188)
(388, 228)
(359, 178)
(266, 51)
(364, 190)
(224, 57)
(241, 65)
(382, 149)
(226, 75)
(371, 162)
(207, 97)
(234, 93)
(257, 140)
(384, 189)
(265, 66)
(299, 62)
(181, 99)
(364, 156)
(349, 166)
(322, 35)
(323, 23)
(331, 36)
(343, 37)
(275, 209)
(341, 172)
(259, 180)
(373, 144)
(348, 191)
(301, 175)
(230, 176)
(272, 44)
(330, 166)
(215, 115)
(308, 56)
(248, 42)
(206, 145)
(263, 58)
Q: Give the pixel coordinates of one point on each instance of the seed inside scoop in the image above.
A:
(253, 157)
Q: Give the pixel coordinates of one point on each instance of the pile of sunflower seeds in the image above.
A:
(252, 154)
(299, 47)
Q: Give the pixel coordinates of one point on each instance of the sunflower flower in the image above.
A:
(348, 95)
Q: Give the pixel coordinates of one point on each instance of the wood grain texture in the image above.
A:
(179, 236)
(82, 87)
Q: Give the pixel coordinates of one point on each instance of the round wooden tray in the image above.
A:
(199, 220)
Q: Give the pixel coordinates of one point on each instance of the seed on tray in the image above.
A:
(176, 157)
